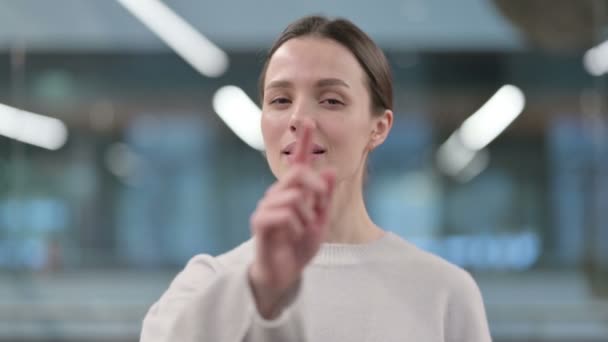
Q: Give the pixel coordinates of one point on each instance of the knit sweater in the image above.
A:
(385, 290)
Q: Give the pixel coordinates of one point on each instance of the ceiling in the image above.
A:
(104, 25)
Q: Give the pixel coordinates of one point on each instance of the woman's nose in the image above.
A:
(300, 117)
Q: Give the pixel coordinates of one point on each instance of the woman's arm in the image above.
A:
(466, 317)
(249, 303)
(208, 303)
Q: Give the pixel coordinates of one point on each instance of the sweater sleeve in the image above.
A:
(466, 317)
(207, 302)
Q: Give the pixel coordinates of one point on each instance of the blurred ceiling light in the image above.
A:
(463, 155)
(124, 163)
(453, 157)
(31, 128)
(477, 131)
(459, 162)
(477, 165)
(240, 113)
(192, 46)
(595, 59)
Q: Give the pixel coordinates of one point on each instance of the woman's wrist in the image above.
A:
(269, 301)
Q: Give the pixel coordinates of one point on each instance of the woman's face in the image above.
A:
(317, 82)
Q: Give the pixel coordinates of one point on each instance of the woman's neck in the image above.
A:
(349, 221)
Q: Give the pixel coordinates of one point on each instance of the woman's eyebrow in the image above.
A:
(279, 84)
(324, 82)
(327, 82)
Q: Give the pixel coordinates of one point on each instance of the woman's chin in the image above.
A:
(316, 162)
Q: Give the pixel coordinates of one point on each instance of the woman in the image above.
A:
(318, 268)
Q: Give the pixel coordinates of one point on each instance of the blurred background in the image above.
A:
(129, 142)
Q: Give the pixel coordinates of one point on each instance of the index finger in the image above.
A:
(303, 146)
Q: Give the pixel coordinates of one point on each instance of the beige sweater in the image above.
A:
(387, 290)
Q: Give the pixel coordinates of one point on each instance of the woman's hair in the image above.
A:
(370, 56)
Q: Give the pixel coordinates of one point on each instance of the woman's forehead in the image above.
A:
(315, 61)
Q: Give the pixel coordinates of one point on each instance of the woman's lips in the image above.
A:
(313, 156)
(315, 149)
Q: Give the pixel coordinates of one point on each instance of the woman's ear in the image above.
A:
(381, 127)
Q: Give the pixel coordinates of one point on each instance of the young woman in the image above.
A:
(317, 267)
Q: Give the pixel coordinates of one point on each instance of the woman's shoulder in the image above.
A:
(201, 268)
(238, 256)
(413, 260)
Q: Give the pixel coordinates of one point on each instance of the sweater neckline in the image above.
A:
(349, 254)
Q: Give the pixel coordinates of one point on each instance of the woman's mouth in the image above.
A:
(288, 153)
(315, 149)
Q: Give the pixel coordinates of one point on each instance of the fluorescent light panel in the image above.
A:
(463, 155)
(184, 39)
(240, 113)
(492, 118)
(596, 59)
(32, 128)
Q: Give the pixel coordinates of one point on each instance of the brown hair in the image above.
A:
(368, 54)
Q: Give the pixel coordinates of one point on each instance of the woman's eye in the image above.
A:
(333, 102)
(280, 100)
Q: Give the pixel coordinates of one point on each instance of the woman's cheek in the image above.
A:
(271, 128)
